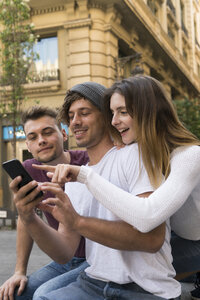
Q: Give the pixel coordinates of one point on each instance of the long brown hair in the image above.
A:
(158, 128)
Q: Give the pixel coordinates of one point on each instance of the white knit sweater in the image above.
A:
(180, 190)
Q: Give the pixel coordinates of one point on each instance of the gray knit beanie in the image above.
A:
(92, 91)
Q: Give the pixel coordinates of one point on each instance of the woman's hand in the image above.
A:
(61, 173)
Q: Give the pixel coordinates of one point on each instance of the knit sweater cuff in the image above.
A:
(82, 176)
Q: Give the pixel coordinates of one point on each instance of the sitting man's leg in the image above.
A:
(186, 256)
(46, 273)
(78, 265)
(86, 288)
(186, 261)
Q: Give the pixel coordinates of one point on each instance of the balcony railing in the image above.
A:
(46, 75)
(37, 76)
(171, 6)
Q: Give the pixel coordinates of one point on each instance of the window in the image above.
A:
(183, 19)
(152, 6)
(8, 133)
(198, 69)
(46, 67)
(26, 155)
(196, 33)
(171, 6)
(185, 55)
(155, 7)
(171, 34)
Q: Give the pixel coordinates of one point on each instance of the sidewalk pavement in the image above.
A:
(37, 260)
(8, 255)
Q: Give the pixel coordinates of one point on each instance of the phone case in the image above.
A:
(15, 168)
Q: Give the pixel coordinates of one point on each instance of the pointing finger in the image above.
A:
(44, 167)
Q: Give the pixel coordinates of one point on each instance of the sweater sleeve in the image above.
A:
(147, 213)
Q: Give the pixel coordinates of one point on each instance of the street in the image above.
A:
(8, 255)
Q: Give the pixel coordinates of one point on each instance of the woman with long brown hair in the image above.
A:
(169, 151)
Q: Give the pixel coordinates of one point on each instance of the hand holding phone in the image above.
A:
(15, 168)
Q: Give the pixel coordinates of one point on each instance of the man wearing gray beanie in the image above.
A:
(111, 244)
(91, 91)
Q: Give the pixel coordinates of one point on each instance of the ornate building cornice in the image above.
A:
(94, 4)
(42, 87)
(46, 10)
(78, 23)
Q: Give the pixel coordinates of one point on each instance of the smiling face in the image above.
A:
(86, 123)
(44, 139)
(121, 120)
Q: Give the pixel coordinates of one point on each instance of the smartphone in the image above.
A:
(15, 168)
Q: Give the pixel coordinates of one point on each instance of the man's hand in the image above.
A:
(7, 289)
(25, 204)
(61, 173)
(60, 206)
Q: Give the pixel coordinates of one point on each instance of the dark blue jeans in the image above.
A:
(186, 254)
(52, 277)
(86, 288)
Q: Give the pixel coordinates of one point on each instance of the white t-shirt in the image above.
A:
(153, 272)
(178, 196)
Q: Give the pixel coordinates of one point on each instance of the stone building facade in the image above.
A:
(101, 40)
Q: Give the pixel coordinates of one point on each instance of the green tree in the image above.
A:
(189, 114)
(17, 54)
(17, 41)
